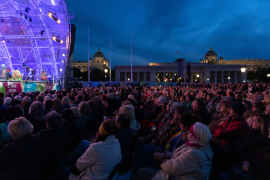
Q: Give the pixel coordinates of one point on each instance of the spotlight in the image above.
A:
(64, 54)
(58, 21)
(50, 14)
(61, 70)
(2, 20)
(57, 39)
(62, 61)
(3, 40)
(30, 19)
(27, 10)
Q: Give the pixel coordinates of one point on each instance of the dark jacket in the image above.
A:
(203, 114)
(125, 137)
(66, 106)
(80, 123)
(59, 109)
(231, 130)
(18, 157)
(259, 161)
(90, 127)
(38, 125)
(251, 141)
(52, 139)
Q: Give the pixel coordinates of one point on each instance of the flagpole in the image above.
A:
(131, 58)
(88, 61)
(110, 56)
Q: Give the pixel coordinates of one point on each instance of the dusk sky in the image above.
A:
(235, 29)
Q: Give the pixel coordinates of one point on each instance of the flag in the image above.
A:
(176, 52)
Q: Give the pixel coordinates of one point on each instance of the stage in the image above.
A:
(26, 86)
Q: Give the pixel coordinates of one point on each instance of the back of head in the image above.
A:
(19, 127)
(68, 115)
(260, 107)
(48, 104)
(57, 102)
(37, 111)
(187, 120)
(123, 120)
(128, 110)
(110, 127)
(200, 103)
(40, 98)
(75, 111)
(65, 100)
(26, 99)
(7, 100)
(13, 112)
(202, 133)
(84, 108)
(181, 109)
(53, 119)
(18, 97)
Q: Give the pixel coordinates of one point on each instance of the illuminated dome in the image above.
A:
(35, 34)
(99, 54)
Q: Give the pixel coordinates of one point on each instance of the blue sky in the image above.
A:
(235, 29)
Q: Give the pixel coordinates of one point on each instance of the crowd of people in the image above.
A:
(193, 131)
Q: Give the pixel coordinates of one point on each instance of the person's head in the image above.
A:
(7, 101)
(182, 98)
(237, 110)
(68, 116)
(13, 112)
(122, 120)
(186, 122)
(57, 102)
(128, 110)
(261, 122)
(37, 111)
(197, 104)
(199, 134)
(256, 98)
(107, 128)
(225, 107)
(26, 100)
(19, 127)
(46, 98)
(53, 119)
(267, 99)
(18, 97)
(179, 110)
(209, 97)
(48, 104)
(164, 106)
(160, 101)
(267, 110)
(79, 98)
(75, 111)
(65, 100)
(40, 98)
(204, 95)
(258, 107)
(248, 104)
(84, 108)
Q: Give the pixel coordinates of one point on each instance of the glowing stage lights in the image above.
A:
(54, 17)
(57, 39)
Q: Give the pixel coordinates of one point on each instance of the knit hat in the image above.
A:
(102, 131)
(238, 108)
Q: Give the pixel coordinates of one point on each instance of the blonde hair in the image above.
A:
(128, 110)
(267, 98)
(19, 127)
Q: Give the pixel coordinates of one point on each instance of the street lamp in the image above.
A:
(268, 75)
(243, 70)
(106, 71)
(198, 75)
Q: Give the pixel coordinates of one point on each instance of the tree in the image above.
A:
(259, 75)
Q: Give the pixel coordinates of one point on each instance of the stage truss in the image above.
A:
(35, 34)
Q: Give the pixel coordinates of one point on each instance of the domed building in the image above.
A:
(210, 56)
(99, 61)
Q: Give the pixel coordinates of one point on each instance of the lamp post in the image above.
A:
(243, 70)
(268, 75)
(106, 71)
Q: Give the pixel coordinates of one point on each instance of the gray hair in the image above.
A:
(110, 95)
(203, 134)
(27, 99)
(47, 98)
(75, 111)
(65, 100)
(19, 127)
(18, 97)
(37, 110)
(7, 100)
(84, 108)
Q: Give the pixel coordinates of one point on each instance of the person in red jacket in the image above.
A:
(234, 128)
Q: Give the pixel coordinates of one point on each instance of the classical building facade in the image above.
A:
(211, 69)
(99, 61)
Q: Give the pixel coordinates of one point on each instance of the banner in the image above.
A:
(40, 88)
(111, 83)
(12, 87)
(48, 87)
(28, 87)
(94, 83)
